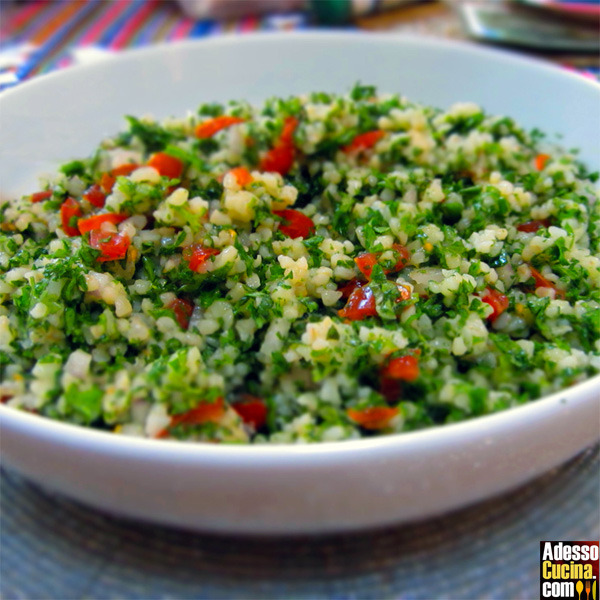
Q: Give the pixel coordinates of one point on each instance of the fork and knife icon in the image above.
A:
(589, 586)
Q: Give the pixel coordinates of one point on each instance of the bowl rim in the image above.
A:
(107, 441)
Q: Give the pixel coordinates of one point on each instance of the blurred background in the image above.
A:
(43, 35)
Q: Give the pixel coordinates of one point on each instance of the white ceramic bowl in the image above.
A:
(287, 489)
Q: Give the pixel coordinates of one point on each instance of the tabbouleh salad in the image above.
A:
(319, 268)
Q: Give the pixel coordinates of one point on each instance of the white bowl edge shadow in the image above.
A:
(286, 489)
(314, 488)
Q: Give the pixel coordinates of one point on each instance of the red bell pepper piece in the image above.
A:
(197, 255)
(95, 196)
(375, 417)
(183, 310)
(40, 196)
(296, 225)
(242, 176)
(204, 412)
(107, 181)
(95, 222)
(69, 211)
(367, 260)
(252, 410)
(499, 302)
(404, 368)
(280, 157)
(113, 246)
(364, 141)
(542, 282)
(365, 263)
(166, 165)
(212, 126)
(533, 226)
(349, 287)
(360, 305)
(541, 160)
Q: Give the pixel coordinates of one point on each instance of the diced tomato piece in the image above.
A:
(126, 169)
(205, 412)
(542, 282)
(405, 368)
(499, 302)
(197, 255)
(297, 224)
(375, 417)
(183, 310)
(113, 246)
(390, 386)
(40, 196)
(360, 305)
(365, 263)
(403, 257)
(364, 141)
(95, 222)
(107, 181)
(252, 410)
(242, 176)
(367, 260)
(166, 165)
(533, 226)
(348, 288)
(280, 158)
(69, 211)
(212, 126)
(540, 161)
(95, 196)
(287, 132)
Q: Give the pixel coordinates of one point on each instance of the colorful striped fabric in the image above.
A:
(40, 36)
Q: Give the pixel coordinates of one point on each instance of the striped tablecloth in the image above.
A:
(38, 37)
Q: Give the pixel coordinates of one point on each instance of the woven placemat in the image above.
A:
(54, 548)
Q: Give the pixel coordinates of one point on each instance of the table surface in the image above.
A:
(51, 547)
(54, 548)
